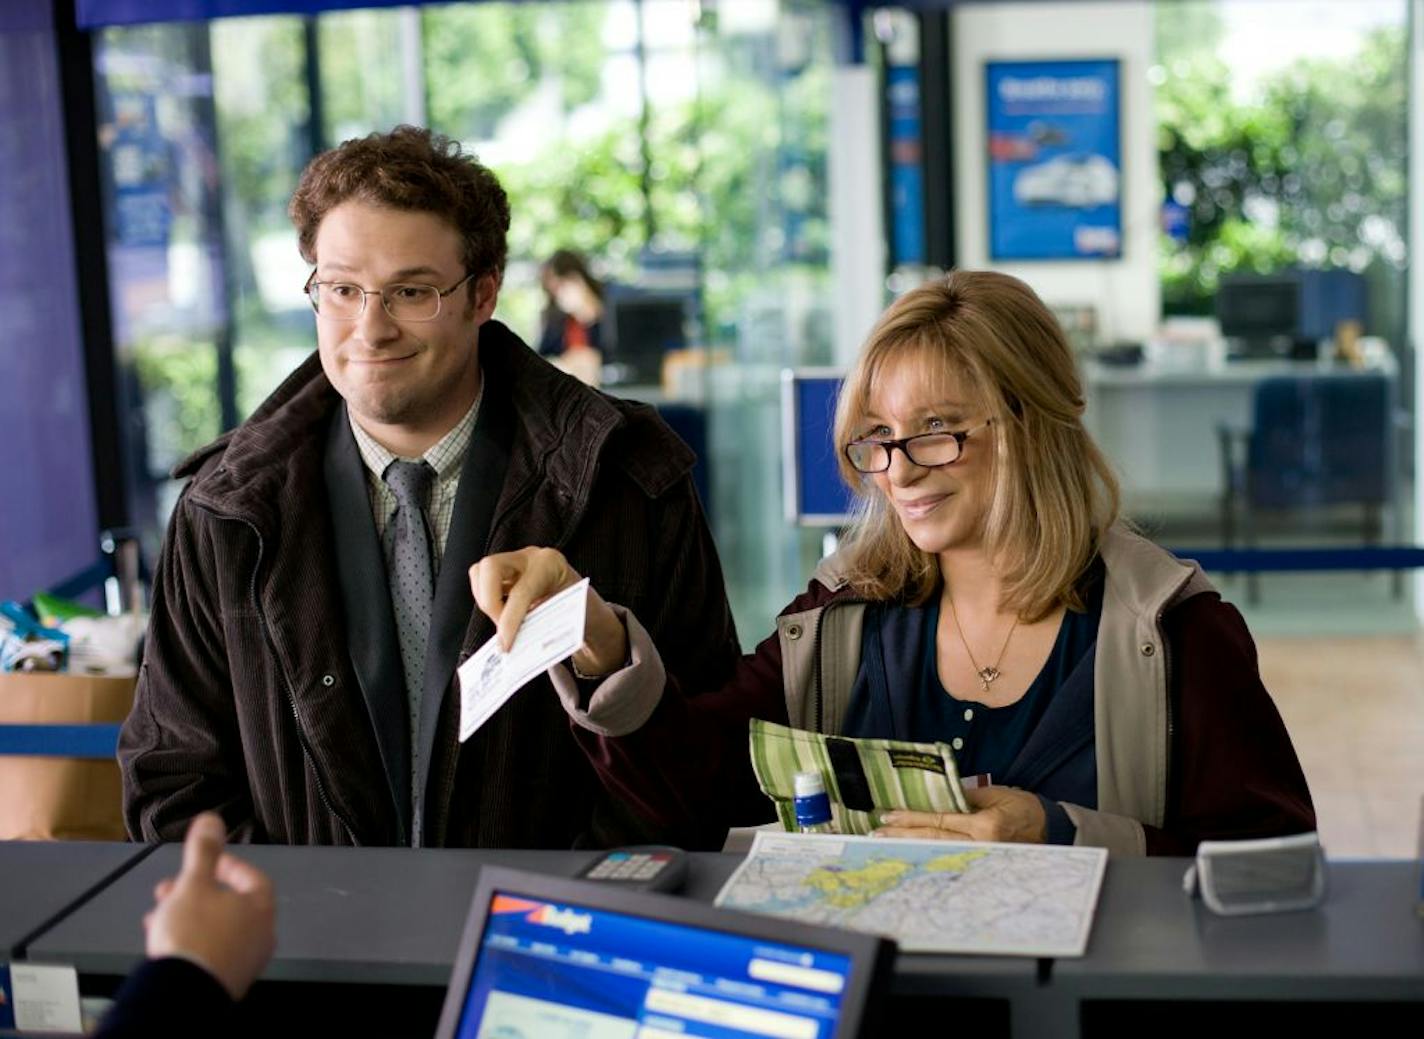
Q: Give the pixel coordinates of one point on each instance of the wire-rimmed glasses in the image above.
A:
(404, 301)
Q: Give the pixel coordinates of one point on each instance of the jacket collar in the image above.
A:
(833, 572)
(560, 428)
(241, 472)
(1143, 578)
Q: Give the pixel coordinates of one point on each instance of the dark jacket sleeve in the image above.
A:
(689, 618)
(170, 997)
(687, 770)
(1234, 773)
(180, 749)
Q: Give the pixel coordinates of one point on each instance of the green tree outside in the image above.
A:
(1311, 172)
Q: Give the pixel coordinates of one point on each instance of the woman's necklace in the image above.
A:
(991, 673)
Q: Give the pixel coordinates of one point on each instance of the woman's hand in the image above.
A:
(508, 585)
(1001, 813)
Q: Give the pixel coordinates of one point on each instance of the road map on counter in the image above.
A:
(930, 896)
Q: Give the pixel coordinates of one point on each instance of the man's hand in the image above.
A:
(1001, 813)
(218, 912)
(508, 585)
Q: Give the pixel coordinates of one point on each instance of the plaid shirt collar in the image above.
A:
(445, 456)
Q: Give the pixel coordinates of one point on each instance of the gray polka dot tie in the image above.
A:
(411, 573)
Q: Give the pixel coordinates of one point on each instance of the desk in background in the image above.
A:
(1157, 422)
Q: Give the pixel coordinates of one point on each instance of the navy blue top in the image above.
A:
(1043, 743)
(988, 739)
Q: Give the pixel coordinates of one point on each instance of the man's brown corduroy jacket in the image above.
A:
(248, 701)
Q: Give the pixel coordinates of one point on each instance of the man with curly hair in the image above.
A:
(312, 601)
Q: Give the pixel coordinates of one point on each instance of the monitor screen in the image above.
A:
(815, 493)
(560, 970)
(1258, 307)
(642, 327)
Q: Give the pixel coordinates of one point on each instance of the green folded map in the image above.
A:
(863, 777)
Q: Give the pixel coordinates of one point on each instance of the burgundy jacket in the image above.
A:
(262, 692)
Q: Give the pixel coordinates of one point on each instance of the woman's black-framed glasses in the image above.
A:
(405, 301)
(927, 450)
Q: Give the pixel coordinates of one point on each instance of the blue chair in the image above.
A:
(1316, 440)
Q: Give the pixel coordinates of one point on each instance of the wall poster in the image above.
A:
(1055, 159)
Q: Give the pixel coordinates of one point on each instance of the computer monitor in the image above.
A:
(813, 493)
(639, 328)
(557, 958)
(1293, 310)
(1259, 310)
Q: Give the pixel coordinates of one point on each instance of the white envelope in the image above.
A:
(551, 632)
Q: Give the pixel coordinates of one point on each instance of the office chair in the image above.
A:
(1316, 440)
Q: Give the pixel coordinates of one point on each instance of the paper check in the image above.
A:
(551, 632)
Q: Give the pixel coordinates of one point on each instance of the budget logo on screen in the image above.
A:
(566, 920)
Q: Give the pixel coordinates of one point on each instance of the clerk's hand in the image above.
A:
(1001, 813)
(508, 585)
(218, 911)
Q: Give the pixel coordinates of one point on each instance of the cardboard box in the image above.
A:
(44, 798)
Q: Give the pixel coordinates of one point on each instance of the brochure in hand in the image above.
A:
(863, 777)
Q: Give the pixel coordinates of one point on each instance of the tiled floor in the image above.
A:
(1354, 706)
(1343, 656)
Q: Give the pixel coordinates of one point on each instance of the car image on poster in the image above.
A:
(1078, 181)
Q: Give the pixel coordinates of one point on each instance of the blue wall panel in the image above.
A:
(94, 14)
(47, 512)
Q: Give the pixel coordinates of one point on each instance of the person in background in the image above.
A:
(573, 315)
(986, 596)
(311, 603)
(209, 935)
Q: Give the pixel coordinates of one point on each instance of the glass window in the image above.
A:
(679, 146)
(264, 135)
(1287, 155)
(1278, 392)
(167, 264)
(1283, 260)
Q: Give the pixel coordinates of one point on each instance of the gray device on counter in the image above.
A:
(647, 867)
(1271, 875)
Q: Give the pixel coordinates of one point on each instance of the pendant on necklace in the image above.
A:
(987, 675)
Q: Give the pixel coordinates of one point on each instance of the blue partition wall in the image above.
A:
(47, 511)
(815, 495)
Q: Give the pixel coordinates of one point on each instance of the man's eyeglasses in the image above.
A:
(927, 450)
(405, 301)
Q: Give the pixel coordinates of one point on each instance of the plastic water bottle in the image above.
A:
(813, 807)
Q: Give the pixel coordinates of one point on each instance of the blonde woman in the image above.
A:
(986, 596)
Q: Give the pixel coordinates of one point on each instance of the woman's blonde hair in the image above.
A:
(1052, 491)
